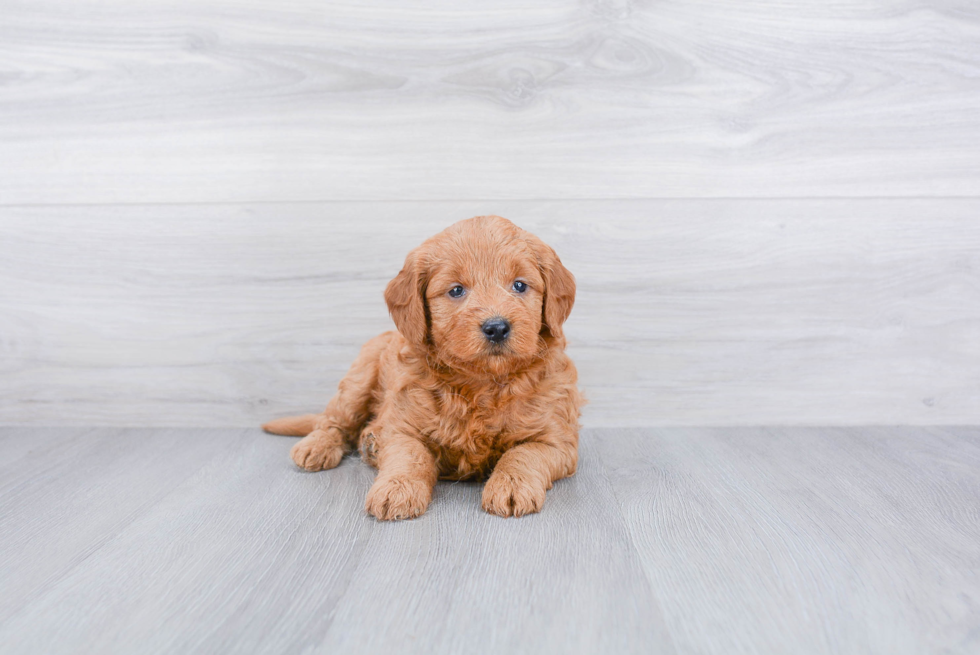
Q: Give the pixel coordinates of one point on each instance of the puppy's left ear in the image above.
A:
(405, 296)
(559, 292)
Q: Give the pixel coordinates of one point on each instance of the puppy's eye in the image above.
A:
(520, 287)
(456, 291)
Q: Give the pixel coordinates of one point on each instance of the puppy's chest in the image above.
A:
(473, 430)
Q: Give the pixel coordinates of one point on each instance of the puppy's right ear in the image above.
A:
(405, 297)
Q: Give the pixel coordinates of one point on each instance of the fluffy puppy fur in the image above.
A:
(447, 397)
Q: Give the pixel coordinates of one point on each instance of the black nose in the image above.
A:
(496, 329)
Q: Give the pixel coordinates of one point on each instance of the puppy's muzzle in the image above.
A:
(496, 330)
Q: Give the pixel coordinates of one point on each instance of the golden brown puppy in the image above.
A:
(475, 382)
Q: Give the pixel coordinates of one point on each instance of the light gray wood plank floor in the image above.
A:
(686, 540)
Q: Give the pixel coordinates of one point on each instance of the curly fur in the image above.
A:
(437, 399)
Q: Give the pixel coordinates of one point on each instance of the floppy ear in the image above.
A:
(405, 297)
(559, 292)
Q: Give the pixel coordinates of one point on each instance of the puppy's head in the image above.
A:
(482, 296)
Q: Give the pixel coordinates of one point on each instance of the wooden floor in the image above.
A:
(682, 540)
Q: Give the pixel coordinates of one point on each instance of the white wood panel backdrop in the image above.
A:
(250, 100)
(201, 201)
(689, 311)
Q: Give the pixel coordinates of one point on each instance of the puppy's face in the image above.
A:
(483, 295)
(485, 302)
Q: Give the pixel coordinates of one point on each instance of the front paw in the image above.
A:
(507, 495)
(317, 451)
(392, 499)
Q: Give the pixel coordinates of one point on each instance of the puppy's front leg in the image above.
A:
(406, 475)
(524, 473)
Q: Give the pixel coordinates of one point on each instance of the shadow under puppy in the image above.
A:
(475, 382)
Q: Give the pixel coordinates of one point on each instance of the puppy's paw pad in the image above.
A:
(505, 495)
(314, 453)
(393, 499)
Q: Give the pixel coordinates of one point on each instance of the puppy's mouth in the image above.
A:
(498, 350)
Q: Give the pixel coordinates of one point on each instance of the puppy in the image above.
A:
(474, 383)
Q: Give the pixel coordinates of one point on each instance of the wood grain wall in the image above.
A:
(771, 208)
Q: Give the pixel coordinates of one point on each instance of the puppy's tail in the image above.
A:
(292, 426)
